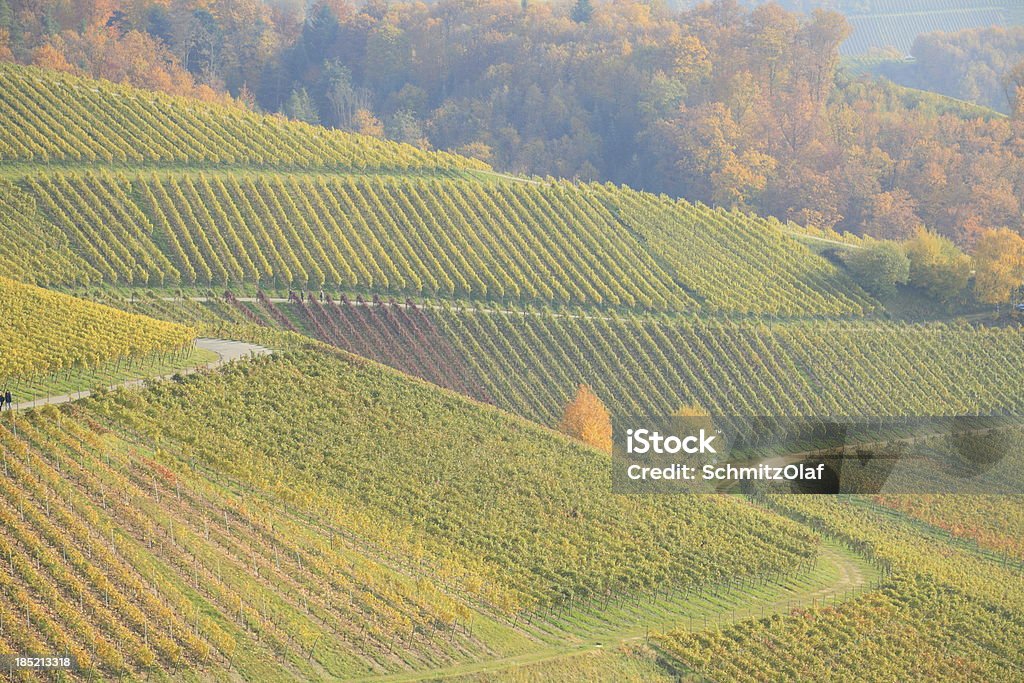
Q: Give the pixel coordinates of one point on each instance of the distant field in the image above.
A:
(896, 23)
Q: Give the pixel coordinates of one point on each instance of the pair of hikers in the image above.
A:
(6, 398)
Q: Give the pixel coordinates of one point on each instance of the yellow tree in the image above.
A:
(936, 265)
(365, 123)
(585, 418)
(999, 265)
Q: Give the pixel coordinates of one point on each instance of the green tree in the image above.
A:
(879, 267)
(582, 11)
(300, 106)
(404, 127)
(937, 266)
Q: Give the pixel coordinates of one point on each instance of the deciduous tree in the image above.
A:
(587, 419)
(937, 266)
(879, 267)
(999, 265)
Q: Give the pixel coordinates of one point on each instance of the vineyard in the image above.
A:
(993, 522)
(111, 556)
(210, 211)
(530, 363)
(724, 256)
(896, 23)
(56, 117)
(955, 608)
(952, 638)
(32, 250)
(311, 514)
(46, 332)
(379, 460)
(553, 244)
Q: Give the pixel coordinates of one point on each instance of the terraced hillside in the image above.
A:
(313, 515)
(991, 522)
(133, 567)
(726, 257)
(956, 610)
(170, 198)
(33, 250)
(47, 332)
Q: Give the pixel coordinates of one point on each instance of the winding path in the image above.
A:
(227, 351)
(849, 574)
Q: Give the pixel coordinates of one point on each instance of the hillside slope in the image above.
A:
(46, 332)
(551, 244)
(148, 189)
(400, 512)
(31, 249)
(52, 116)
(958, 612)
(531, 362)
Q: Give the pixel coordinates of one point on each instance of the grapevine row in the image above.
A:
(531, 363)
(55, 117)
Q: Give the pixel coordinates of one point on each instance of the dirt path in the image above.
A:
(799, 235)
(227, 351)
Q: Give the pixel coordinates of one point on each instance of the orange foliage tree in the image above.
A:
(585, 418)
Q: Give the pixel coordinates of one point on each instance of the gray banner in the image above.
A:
(830, 455)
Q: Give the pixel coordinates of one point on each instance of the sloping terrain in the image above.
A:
(399, 513)
(46, 332)
(51, 116)
(531, 362)
(882, 24)
(32, 250)
(311, 514)
(379, 218)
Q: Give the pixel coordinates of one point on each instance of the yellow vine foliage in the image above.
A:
(586, 418)
(47, 332)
